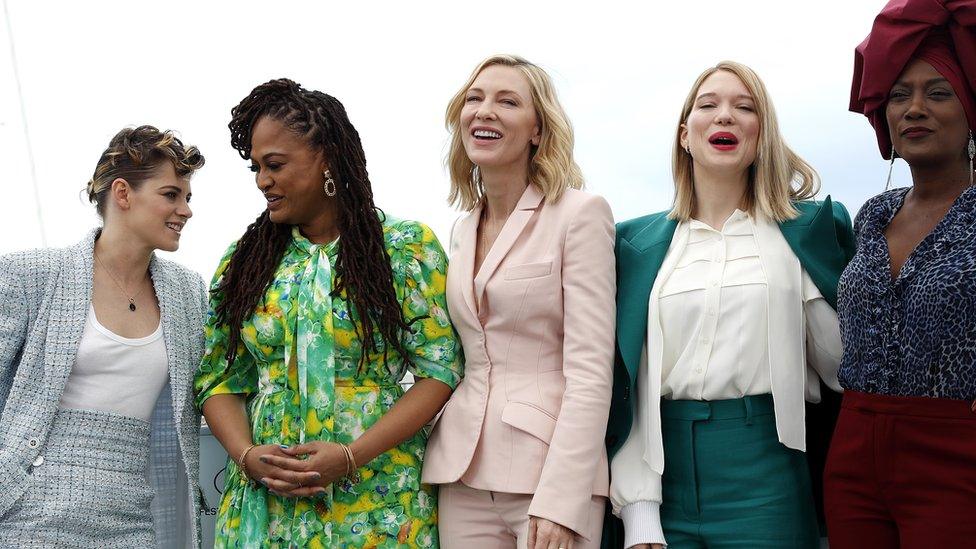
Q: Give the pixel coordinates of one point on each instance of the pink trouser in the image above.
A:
(469, 518)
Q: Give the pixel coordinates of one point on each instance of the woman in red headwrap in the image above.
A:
(902, 466)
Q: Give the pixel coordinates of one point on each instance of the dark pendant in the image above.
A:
(132, 306)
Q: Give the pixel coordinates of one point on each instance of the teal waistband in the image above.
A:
(699, 410)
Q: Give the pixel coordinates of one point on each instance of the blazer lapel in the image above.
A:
(174, 328)
(519, 218)
(72, 298)
(638, 261)
(463, 245)
(813, 238)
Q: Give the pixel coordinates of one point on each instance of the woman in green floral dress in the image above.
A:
(317, 313)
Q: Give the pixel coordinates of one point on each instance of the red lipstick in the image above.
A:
(724, 141)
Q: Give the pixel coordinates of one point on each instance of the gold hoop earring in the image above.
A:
(330, 185)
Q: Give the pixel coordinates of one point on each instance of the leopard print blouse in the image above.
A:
(915, 335)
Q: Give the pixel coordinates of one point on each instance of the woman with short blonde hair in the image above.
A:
(517, 450)
(551, 166)
(725, 323)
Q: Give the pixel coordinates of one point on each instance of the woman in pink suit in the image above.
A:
(518, 450)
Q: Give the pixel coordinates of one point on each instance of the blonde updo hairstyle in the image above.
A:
(778, 176)
(134, 154)
(551, 165)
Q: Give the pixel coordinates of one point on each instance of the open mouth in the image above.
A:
(486, 134)
(176, 227)
(723, 140)
(273, 200)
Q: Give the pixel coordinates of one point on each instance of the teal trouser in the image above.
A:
(728, 482)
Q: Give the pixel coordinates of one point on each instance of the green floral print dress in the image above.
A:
(323, 394)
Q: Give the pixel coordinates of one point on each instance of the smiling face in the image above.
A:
(499, 125)
(288, 172)
(926, 120)
(722, 128)
(157, 210)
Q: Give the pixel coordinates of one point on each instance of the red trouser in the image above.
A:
(901, 472)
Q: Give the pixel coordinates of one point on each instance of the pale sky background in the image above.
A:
(622, 71)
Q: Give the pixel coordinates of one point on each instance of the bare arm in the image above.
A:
(417, 406)
(227, 419)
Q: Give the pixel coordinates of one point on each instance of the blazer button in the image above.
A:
(626, 393)
(33, 443)
(38, 461)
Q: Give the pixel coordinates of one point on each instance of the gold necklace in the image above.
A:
(132, 298)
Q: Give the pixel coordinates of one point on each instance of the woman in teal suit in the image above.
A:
(725, 323)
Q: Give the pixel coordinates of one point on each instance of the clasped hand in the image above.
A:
(300, 471)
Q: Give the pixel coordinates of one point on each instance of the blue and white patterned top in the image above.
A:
(916, 335)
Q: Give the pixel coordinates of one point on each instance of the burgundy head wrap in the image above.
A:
(940, 32)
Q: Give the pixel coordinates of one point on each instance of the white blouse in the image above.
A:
(709, 321)
(117, 374)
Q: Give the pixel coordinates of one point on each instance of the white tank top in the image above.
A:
(116, 374)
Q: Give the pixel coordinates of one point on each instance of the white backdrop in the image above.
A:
(86, 69)
(622, 70)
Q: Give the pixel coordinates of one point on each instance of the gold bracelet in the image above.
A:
(241, 466)
(345, 452)
(351, 467)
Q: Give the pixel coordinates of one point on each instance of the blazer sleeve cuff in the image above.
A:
(642, 523)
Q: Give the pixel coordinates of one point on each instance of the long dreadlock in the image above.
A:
(362, 268)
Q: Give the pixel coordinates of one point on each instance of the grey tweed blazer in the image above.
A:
(44, 299)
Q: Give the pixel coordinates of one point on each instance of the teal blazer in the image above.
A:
(821, 237)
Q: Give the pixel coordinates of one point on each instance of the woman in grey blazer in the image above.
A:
(98, 345)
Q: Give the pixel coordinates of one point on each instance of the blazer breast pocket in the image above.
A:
(529, 270)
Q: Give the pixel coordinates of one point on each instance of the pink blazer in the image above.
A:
(537, 327)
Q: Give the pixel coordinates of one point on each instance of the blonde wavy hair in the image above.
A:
(778, 176)
(551, 165)
(133, 155)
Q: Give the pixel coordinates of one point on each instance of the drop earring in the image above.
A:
(971, 150)
(329, 186)
(891, 166)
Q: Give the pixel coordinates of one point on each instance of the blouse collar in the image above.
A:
(308, 247)
(739, 222)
